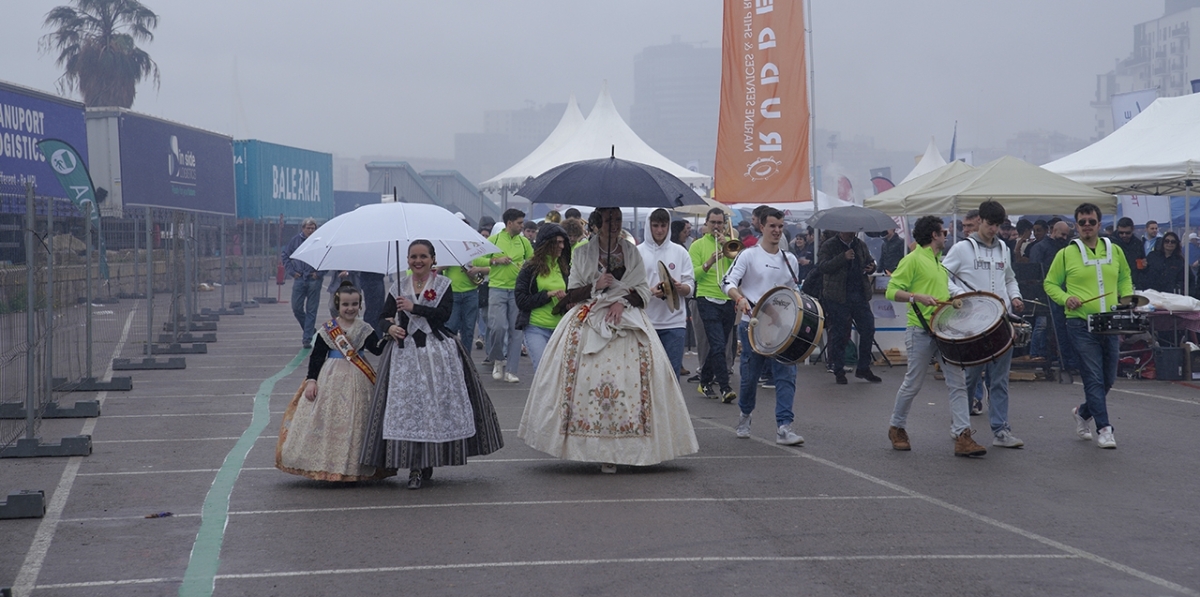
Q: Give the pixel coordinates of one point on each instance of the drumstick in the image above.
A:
(956, 303)
(1095, 298)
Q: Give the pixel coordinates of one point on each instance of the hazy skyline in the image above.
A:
(401, 78)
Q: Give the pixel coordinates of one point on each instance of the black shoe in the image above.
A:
(427, 473)
(976, 407)
(841, 377)
(694, 379)
(414, 479)
(710, 391)
(728, 395)
(867, 375)
(306, 344)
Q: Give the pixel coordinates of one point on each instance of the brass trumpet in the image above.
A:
(732, 246)
(478, 278)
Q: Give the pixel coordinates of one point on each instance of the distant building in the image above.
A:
(1041, 147)
(676, 101)
(508, 136)
(1163, 57)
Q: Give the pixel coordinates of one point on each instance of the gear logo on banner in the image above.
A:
(63, 162)
(762, 168)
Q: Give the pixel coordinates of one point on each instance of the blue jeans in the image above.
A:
(462, 318)
(502, 325)
(839, 316)
(1098, 355)
(783, 375)
(672, 341)
(306, 299)
(921, 348)
(718, 324)
(1037, 344)
(536, 339)
(997, 385)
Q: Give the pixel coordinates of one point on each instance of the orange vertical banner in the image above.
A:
(762, 136)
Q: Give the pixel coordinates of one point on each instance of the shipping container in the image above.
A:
(26, 117)
(147, 161)
(274, 180)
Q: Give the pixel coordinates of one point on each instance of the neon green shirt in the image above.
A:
(1068, 267)
(516, 246)
(708, 283)
(542, 316)
(920, 272)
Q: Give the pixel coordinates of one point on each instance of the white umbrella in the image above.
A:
(375, 238)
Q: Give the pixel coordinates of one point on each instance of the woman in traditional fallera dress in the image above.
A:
(610, 395)
(322, 433)
(429, 408)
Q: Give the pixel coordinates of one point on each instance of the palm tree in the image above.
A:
(97, 50)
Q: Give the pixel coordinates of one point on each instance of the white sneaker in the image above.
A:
(1081, 425)
(498, 370)
(608, 468)
(1105, 439)
(743, 427)
(787, 437)
(510, 378)
(1005, 439)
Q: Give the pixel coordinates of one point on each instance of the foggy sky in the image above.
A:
(361, 77)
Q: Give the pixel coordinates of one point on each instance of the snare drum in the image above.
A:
(977, 333)
(1118, 322)
(1022, 334)
(788, 325)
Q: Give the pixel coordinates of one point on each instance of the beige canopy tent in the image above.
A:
(1021, 187)
(894, 201)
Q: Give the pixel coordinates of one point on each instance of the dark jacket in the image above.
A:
(295, 267)
(1134, 250)
(1044, 251)
(1164, 274)
(835, 268)
(891, 253)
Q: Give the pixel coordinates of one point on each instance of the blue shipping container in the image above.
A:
(277, 179)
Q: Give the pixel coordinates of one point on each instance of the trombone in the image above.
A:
(731, 247)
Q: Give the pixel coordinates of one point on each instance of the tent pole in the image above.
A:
(1187, 244)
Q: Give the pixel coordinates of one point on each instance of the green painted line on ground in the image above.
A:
(200, 578)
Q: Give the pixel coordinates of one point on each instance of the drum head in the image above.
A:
(668, 286)
(979, 313)
(778, 315)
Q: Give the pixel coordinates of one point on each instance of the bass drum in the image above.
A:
(976, 333)
(786, 325)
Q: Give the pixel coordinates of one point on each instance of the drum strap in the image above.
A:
(1099, 264)
(795, 279)
(921, 318)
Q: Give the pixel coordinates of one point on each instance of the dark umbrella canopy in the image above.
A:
(852, 218)
(609, 182)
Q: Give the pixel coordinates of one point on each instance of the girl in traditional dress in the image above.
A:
(322, 433)
(613, 398)
(541, 284)
(429, 408)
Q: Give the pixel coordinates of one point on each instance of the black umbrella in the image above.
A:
(609, 182)
(852, 218)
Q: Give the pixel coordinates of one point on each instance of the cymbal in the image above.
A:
(668, 287)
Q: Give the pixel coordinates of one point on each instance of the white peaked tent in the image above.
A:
(570, 122)
(894, 201)
(1156, 153)
(1021, 187)
(932, 160)
(599, 136)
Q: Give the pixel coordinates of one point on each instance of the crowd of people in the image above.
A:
(614, 315)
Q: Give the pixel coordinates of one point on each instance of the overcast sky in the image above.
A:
(401, 77)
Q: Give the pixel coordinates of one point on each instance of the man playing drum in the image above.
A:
(756, 271)
(1095, 274)
(921, 279)
(983, 263)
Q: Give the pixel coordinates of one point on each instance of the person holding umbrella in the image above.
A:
(614, 399)
(503, 338)
(429, 408)
(846, 264)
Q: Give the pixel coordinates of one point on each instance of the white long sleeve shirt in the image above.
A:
(679, 265)
(978, 266)
(756, 271)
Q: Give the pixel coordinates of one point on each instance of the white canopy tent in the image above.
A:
(570, 122)
(932, 160)
(599, 136)
(1156, 153)
(894, 201)
(1021, 187)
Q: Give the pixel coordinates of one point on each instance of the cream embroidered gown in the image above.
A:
(606, 393)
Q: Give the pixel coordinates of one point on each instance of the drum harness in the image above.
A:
(1098, 263)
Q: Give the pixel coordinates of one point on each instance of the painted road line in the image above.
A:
(199, 579)
(32, 566)
(581, 562)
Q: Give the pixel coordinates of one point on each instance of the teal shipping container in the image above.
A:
(274, 180)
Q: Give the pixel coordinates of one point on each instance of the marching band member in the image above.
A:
(671, 326)
(757, 270)
(1093, 269)
(983, 262)
(715, 309)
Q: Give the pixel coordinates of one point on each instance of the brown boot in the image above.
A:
(899, 439)
(965, 446)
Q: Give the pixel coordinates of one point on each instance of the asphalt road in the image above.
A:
(842, 515)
